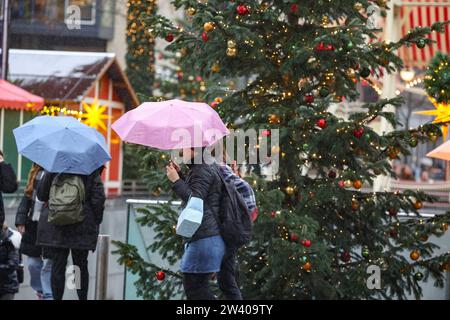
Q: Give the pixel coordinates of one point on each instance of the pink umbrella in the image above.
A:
(172, 124)
(441, 152)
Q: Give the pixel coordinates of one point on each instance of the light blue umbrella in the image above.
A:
(62, 144)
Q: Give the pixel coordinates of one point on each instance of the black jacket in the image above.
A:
(9, 262)
(83, 235)
(8, 184)
(24, 217)
(202, 181)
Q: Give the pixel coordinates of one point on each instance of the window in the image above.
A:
(50, 12)
(87, 10)
(1, 10)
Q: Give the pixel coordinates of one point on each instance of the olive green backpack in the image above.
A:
(66, 200)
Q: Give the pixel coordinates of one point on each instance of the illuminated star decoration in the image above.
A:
(93, 115)
(442, 114)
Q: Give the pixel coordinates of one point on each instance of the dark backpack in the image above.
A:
(234, 219)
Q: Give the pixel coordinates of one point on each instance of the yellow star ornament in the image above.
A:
(94, 116)
(442, 114)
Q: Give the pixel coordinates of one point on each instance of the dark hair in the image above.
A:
(1, 153)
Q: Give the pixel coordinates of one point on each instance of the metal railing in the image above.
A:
(134, 188)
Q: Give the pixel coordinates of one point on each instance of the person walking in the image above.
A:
(27, 217)
(226, 278)
(9, 262)
(60, 234)
(8, 183)
(204, 251)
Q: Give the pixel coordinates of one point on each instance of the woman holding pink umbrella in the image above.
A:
(191, 127)
(205, 249)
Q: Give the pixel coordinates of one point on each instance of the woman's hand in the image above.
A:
(172, 173)
(175, 165)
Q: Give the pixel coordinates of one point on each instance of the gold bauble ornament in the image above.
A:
(231, 52)
(274, 119)
(191, 11)
(215, 67)
(231, 44)
(183, 51)
(351, 73)
(208, 26)
(290, 190)
(329, 78)
(358, 6)
(218, 100)
(348, 183)
(307, 267)
(418, 205)
(325, 20)
(157, 192)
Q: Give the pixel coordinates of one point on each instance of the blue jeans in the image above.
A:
(203, 255)
(40, 275)
(227, 275)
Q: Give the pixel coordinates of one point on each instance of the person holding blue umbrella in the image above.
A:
(73, 156)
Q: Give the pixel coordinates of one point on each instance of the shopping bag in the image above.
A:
(190, 218)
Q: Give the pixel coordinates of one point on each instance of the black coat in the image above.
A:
(202, 181)
(83, 235)
(8, 184)
(24, 217)
(9, 263)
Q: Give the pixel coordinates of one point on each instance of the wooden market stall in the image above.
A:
(16, 107)
(90, 86)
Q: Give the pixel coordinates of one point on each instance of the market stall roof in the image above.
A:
(67, 76)
(13, 97)
(424, 13)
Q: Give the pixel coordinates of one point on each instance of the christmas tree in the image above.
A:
(318, 233)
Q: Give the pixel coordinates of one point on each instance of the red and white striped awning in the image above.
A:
(420, 16)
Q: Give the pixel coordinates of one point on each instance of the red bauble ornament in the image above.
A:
(169, 37)
(320, 47)
(341, 183)
(358, 132)
(306, 243)
(309, 98)
(242, 10)
(332, 174)
(294, 8)
(273, 214)
(214, 104)
(160, 275)
(205, 37)
(345, 256)
(294, 237)
(321, 123)
(392, 212)
(330, 47)
(393, 233)
(265, 133)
